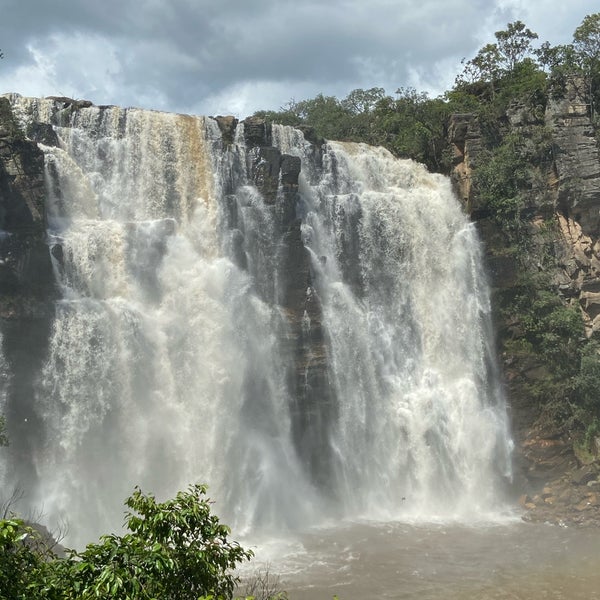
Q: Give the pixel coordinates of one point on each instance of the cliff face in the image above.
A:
(25, 271)
(561, 230)
(565, 189)
(275, 175)
(26, 278)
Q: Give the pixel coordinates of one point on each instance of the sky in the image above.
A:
(223, 57)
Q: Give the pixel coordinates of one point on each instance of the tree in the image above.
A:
(586, 38)
(174, 550)
(361, 101)
(586, 42)
(551, 58)
(485, 67)
(494, 61)
(21, 561)
(514, 44)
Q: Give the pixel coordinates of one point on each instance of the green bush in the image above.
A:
(174, 550)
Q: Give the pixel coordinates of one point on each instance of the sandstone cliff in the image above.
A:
(557, 241)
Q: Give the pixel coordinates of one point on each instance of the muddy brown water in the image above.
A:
(515, 560)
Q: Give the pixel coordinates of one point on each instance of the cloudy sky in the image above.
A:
(237, 56)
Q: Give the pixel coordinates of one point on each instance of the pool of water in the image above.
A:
(514, 560)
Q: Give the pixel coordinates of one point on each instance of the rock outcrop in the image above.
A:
(276, 176)
(464, 135)
(576, 156)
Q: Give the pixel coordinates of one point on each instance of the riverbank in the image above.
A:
(557, 486)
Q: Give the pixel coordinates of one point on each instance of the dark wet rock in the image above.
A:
(227, 125)
(584, 475)
(66, 102)
(42, 133)
(290, 169)
(257, 132)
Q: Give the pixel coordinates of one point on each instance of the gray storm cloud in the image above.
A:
(239, 56)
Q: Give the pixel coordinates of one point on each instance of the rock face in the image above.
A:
(25, 268)
(569, 191)
(566, 190)
(276, 177)
(26, 278)
(576, 156)
(464, 136)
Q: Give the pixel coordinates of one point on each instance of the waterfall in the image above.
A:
(175, 357)
(420, 414)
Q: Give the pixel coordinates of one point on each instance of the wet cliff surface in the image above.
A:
(27, 287)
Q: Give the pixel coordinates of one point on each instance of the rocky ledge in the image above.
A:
(570, 500)
(557, 483)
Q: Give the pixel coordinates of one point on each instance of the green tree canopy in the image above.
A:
(174, 550)
(514, 44)
(586, 39)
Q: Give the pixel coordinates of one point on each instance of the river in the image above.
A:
(512, 560)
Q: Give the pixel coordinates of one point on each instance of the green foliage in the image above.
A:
(360, 102)
(500, 176)
(587, 381)
(497, 61)
(550, 330)
(586, 40)
(410, 125)
(557, 331)
(16, 560)
(484, 67)
(413, 126)
(586, 44)
(592, 431)
(325, 113)
(514, 43)
(3, 436)
(174, 550)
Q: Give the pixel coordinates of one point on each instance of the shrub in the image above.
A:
(174, 550)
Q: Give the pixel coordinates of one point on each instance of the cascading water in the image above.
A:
(174, 359)
(420, 415)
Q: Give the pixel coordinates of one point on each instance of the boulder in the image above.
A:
(583, 476)
(227, 125)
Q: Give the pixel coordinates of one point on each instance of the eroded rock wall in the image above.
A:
(562, 215)
(276, 174)
(26, 279)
